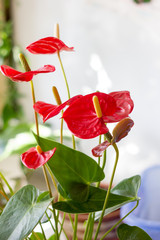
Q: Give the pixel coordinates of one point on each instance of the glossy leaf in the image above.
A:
(94, 202)
(126, 232)
(128, 188)
(22, 213)
(72, 169)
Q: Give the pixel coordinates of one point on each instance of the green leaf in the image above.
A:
(36, 236)
(128, 188)
(53, 237)
(22, 213)
(126, 232)
(72, 169)
(94, 202)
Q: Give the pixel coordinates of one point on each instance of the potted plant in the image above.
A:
(75, 176)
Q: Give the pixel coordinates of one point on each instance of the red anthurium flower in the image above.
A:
(35, 157)
(120, 131)
(17, 76)
(82, 119)
(48, 45)
(47, 110)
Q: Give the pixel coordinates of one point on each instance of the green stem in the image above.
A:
(52, 176)
(104, 156)
(64, 232)
(75, 226)
(71, 220)
(67, 86)
(73, 142)
(27, 69)
(50, 222)
(87, 227)
(104, 160)
(35, 113)
(61, 130)
(50, 192)
(64, 215)
(91, 227)
(100, 140)
(119, 221)
(6, 182)
(108, 191)
(47, 180)
(64, 75)
(42, 231)
(4, 195)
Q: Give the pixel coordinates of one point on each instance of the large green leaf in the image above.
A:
(128, 188)
(126, 232)
(22, 213)
(72, 169)
(94, 202)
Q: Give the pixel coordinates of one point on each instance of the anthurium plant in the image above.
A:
(75, 175)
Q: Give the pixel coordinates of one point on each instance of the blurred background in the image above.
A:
(117, 47)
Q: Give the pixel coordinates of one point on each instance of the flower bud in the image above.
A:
(122, 129)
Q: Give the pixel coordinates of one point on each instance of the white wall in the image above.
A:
(117, 47)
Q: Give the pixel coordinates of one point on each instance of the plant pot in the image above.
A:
(107, 223)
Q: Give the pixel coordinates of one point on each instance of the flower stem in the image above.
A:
(87, 227)
(108, 191)
(27, 69)
(46, 179)
(64, 75)
(6, 182)
(64, 232)
(67, 86)
(49, 189)
(42, 231)
(64, 215)
(50, 221)
(119, 221)
(100, 140)
(35, 113)
(75, 227)
(4, 195)
(61, 131)
(52, 177)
